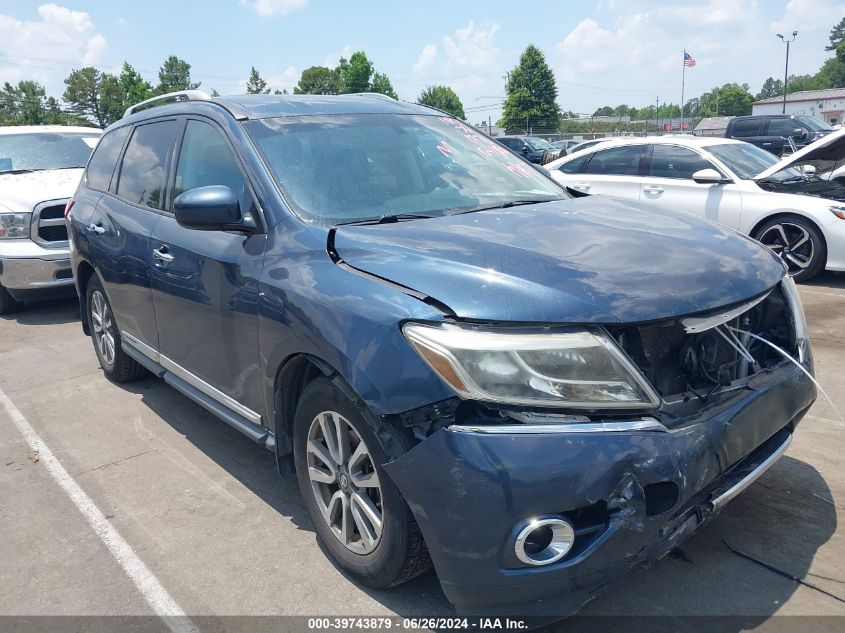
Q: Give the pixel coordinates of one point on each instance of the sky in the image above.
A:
(604, 52)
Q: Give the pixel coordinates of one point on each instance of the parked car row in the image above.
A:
(777, 133)
(533, 149)
(465, 365)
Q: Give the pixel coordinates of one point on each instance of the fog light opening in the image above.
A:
(544, 541)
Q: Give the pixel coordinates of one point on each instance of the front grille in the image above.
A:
(678, 363)
(48, 222)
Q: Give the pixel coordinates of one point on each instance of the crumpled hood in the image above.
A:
(590, 260)
(21, 192)
(829, 147)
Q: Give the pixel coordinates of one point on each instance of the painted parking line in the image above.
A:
(153, 591)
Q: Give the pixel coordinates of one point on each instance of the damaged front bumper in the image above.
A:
(630, 495)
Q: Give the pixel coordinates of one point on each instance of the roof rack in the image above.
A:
(373, 94)
(180, 95)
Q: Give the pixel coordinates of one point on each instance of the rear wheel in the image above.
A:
(798, 243)
(116, 364)
(358, 513)
(8, 304)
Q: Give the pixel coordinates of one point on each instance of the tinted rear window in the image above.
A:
(144, 171)
(748, 127)
(102, 164)
(617, 161)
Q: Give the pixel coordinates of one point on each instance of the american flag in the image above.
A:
(689, 60)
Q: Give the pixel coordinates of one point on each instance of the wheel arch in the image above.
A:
(782, 215)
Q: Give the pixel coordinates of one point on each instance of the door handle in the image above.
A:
(96, 229)
(653, 189)
(163, 255)
(765, 144)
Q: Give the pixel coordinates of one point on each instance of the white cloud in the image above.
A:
(59, 34)
(808, 15)
(472, 46)
(286, 79)
(269, 8)
(426, 58)
(333, 59)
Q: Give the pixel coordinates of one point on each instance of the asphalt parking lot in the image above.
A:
(206, 512)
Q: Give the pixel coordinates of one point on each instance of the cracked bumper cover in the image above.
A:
(468, 490)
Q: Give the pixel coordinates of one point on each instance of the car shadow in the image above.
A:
(49, 312)
(702, 581)
(827, 279)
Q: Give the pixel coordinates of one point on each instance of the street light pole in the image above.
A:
(786, 67)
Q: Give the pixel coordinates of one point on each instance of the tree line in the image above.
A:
(95, 97)
(732, 99)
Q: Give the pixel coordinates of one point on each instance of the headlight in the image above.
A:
(790, 291)
(14, 225)
(571, 367)
(839, 212)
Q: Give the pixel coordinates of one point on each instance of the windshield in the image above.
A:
(814, 124)
(344, 168)
(537, 144)
(46, 150)
(746, 161)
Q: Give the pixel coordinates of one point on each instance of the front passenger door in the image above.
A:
(205, 283)
(669, 185)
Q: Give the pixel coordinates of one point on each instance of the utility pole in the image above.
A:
(656, 114)
(786, 66)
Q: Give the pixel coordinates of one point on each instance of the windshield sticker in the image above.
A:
(444, 148)
(519, 170)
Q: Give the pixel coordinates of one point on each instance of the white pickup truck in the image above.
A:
(40, 167)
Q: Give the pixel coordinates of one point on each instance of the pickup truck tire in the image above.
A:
(8, 304)
(105, 334)
(798, 242)
(339, 452)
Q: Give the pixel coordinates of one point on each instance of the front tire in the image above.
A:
(116, 364)
(8, 304)
(358, 513)
(798, 242)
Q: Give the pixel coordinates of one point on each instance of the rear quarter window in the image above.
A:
(101, 166)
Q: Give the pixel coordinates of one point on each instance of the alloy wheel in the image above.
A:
(345, 482)
(792, 243)
(103, 325)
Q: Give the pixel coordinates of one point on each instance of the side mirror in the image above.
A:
(708, 177)
(525, 149)
(799, 132)
(809, 170)
(209, 208)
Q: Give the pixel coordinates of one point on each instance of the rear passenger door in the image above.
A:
(669, 185)
(751, 131)
(205, 283)
(119, 230)
(614, 171)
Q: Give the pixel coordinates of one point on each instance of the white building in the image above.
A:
(827, 105)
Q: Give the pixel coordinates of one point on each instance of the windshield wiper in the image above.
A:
(18, 171)
(783, 181)
(509, 204)
(386, 219)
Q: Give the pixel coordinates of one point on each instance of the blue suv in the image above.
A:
(462, 365)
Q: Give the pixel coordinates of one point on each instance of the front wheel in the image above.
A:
(8, 304)
(798, 243)
(358, 513)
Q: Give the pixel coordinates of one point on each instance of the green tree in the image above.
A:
(95, 95)
(23, 104)
(531, 94)
(318, 80)
(771, 88)
(442, 98)
(799, 83)
(174, 75)
(604, 111)
(837, 35)
(134, 87)
(255, 85)
(355, 73)
(381, 84)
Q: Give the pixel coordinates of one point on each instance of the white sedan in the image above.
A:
(795, 211)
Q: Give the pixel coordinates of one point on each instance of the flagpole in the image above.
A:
(683, 81)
